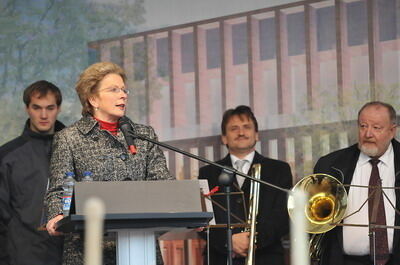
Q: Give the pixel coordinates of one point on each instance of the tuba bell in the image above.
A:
(326, 206)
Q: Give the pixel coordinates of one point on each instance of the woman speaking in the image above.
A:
(96, 144)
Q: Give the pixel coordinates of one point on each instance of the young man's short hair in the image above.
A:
(42, 88)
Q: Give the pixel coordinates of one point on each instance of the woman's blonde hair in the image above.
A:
(89, 79)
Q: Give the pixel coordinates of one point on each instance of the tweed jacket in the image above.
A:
(84, 147)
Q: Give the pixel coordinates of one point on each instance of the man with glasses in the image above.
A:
(373, 162)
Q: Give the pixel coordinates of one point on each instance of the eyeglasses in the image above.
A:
(116, 90)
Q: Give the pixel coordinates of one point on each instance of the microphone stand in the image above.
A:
(225, 179)
(209, 162)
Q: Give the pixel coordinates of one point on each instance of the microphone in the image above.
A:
(225, 178)
(126, 128)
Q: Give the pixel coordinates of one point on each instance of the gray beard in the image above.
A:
(371, 151)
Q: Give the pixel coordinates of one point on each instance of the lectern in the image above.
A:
(135, 210)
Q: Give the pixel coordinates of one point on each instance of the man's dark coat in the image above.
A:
(341, 165)
(24, 173)
(272, 221)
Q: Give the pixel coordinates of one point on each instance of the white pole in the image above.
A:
(94, 217)
(299, 243)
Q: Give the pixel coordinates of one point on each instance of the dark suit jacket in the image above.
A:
(341, 164)
(272, 221)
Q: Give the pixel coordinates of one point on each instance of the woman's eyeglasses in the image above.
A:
(116, 90)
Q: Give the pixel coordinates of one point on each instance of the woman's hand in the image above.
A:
(51, 225)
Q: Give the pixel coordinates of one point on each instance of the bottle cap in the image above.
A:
(87, 173)
(69, 174)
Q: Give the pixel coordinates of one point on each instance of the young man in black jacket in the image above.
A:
(24, 172)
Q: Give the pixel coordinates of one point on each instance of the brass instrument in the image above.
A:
(252, 215)
(325, 208)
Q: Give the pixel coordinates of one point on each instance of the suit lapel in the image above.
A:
(257, 159)
(396, 151)
(246, 184)
(237, 206)
(226, 161)
(343, 169)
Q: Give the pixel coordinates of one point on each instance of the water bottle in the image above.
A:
(87, 176)
(68, 188)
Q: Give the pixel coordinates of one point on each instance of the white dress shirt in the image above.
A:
(249, 159)
(356, 239)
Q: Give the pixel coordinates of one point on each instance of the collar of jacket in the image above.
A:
(345, 164)
(228, 162)
(86, 124)
(28, 133)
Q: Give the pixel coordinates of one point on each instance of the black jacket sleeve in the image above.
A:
(4, 213)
